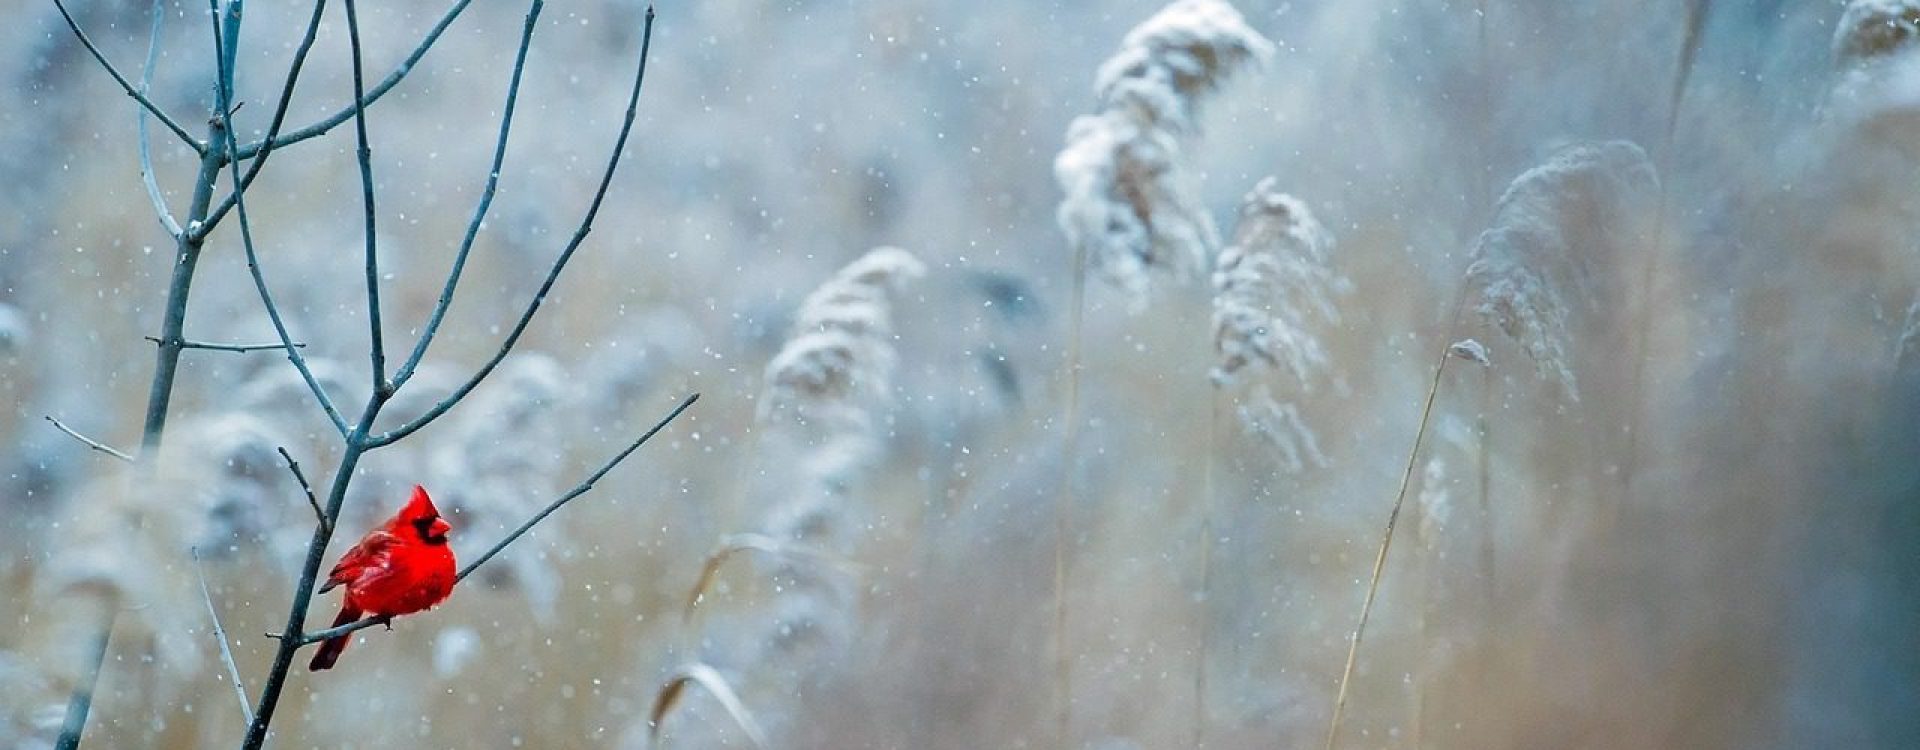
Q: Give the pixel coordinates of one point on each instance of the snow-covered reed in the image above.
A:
(1130, 204)
(1272, 287)
(826, 385)
(1558, 233)
(1871, 29)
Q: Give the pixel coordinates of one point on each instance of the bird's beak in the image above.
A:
(439, 528)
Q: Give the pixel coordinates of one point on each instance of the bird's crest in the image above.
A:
(419, 507)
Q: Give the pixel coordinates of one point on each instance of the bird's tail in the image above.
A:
(330, 650)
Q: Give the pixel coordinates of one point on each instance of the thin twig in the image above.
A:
(294, 466)
(578, 490)
(259, 159)
(479, 210)
(253, 259)
(377, 347)
(91, 443)
(380, 89)
(146, 149)
(186, 344)
(220, 634)
(559, 264)
(126, 86)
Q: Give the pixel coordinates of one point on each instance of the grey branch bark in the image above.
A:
(377, 347)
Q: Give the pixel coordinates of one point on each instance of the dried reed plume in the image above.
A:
(837, 366)
(1544, 262)
(1272, 287)
(1167, 62)
(1871, 29)
(1130, 205)
(220, 488)
(827, 391)
(1541, 271)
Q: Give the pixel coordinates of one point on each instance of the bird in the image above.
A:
(402, 567)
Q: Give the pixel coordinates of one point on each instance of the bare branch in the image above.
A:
(226, 28)
(124, 85)
(146, 149)
(220, 633)
(559, 264)
(480, 210)
(246, 239)
(318, 514)
(372, 95)
(185, 344)
(273, 128)
(377, 348)
(91, 443)
(578, 490)
(75, 722)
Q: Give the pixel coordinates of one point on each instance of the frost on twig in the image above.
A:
(1542, 269)
(1129, 205)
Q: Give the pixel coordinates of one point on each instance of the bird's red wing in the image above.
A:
(372, 552)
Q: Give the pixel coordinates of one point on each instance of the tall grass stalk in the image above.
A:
(1205, 608)
(1484, 488)
(1649, 272)
(1393, 519)
(1063, 503)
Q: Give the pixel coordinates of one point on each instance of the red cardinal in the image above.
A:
(403, 567)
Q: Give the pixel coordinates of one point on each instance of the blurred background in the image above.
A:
(1710, 545)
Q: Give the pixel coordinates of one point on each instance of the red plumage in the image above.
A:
(403, 567)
